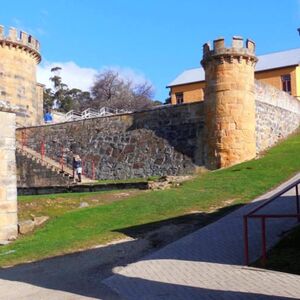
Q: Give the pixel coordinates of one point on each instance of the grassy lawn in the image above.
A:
(55, 205)
(84, 228)
(285, 256)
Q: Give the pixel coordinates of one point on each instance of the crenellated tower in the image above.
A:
(229, 102)
(19, 56)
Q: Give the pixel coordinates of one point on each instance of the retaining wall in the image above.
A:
(277, 115)
(166, 140)
(162, 141)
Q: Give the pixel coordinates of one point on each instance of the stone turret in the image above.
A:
(19, 55)
(229, 102)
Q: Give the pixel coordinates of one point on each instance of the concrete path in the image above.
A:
(208, 264)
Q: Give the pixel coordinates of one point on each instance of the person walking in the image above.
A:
(77, 167)
(48, 117)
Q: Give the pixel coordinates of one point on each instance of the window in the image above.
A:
(179, 98)
(286, 83)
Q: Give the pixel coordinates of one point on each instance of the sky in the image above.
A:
(145, 40)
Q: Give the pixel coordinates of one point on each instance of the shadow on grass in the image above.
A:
(166, 231)
(284, 256)
(82, 273)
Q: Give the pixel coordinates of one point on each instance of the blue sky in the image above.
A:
(151, 39)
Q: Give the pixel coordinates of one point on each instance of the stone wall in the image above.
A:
(8, 189)
(31, 173)
(164, 141)
(277, 115)
(19, 55)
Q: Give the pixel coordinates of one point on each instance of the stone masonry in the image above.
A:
(8, 190)
(31, 173)
(238, 119)
(229, 102)
(19, 55)
(277, 115)
(163, 141)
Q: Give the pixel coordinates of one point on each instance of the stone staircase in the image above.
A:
(54, 167)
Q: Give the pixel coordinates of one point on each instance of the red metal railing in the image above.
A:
(264, 217)
(41, 147)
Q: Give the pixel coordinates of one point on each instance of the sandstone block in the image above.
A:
(8, 206)
(25, 227)
(38, 221)
(8, 233)
(8, 218)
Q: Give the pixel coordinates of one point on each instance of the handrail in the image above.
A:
(263, 218)
(93, 113)
(275, 196)
(62, 158)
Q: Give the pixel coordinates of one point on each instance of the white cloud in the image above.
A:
(83, 78)
(72, 74)
(128, 74)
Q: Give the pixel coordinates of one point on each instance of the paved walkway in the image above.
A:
(208, 264)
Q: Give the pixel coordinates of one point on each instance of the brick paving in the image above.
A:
(208, 264)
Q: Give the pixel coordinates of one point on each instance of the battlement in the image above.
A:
(20, 39)
(238, 49)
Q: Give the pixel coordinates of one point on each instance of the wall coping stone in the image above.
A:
(157, 108)
(10, 108)
(286, 102)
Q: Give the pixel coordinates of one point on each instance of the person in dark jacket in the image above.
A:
(77, 167)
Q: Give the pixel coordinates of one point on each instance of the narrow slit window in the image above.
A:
(286, 83)
(179, 98)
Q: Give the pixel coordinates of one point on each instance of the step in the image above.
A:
(48, 162)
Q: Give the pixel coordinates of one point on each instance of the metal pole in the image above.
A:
(22, 139)
(93, 170)
(82, 166)
(42, 150)
(25, 138)
(62, 158)
(298, 203)
(264, 243)
(246, 241)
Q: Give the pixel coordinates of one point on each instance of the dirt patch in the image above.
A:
(53, 206)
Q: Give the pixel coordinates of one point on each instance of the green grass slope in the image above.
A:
(88, 227)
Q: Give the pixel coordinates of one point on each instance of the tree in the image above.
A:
(62, 98)
(80, 99)
(110, 90)
(48, 99)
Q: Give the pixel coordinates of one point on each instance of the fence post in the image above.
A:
(93, 170)
(25, 138)
(264, 243)
(42, 150)
(62, 158)
(22, 139)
